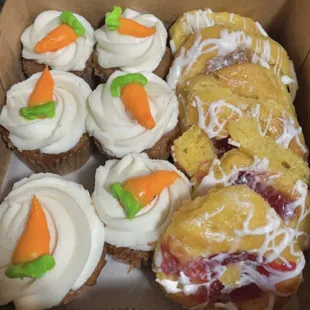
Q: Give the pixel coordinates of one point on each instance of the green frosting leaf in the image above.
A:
(46, 110)
(68, 18)
(123, 80)
(112, 18)
(131, 205)
(34, 269)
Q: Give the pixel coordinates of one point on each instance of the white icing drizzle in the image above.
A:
(267, 253)
(204, 18)
(260, 166)
(290, 132)
(255, 113)
(233, 143)
(261, 29)
(215, 127)
(226, 43)
(171, 287)
(302, 190)
(210, 181)
(286, 80)
(198, 20)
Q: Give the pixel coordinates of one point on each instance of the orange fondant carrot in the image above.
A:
(146, 188)
(35, 239)
(132, 28)
(58, 38)
(135, 100)
(43, 91)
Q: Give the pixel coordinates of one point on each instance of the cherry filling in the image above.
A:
(222, 146)
(204, 271)
(277, 200)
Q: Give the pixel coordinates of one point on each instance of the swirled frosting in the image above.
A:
(72, 57)
(77, 239)
(142, 232)
(117, 131)
(51, 135)
(129, 53)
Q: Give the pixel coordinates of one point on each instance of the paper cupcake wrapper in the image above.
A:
(61, 164)
(160, 150)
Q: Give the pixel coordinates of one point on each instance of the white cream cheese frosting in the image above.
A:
(141, 232)
(129, 53)
(117, 131)
(51, 135)
(77, 240)
(70, 58)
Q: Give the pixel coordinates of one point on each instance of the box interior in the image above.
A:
(286, 20)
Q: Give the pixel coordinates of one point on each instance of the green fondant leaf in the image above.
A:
(112, 18)
(68, 18)
(35, 269)
(124, 80)
(130, 204)
(46, 110)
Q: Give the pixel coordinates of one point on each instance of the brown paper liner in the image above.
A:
(61, 164)
(92, 280)
(162, 70)
(131, 257)
(160, 150)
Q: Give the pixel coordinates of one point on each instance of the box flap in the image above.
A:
(168, 11)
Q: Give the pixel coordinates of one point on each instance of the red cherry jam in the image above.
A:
(203, 270)
(277, 200)
(222, 146)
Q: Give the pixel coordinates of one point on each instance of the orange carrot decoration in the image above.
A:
(135, 100)
(63, 35)
(58, 38)
(43, 91)
(126, 26)
(35, 239)
(146, 188)
(134, 97)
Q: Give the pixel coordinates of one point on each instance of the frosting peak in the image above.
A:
(69, 58)
(129, 53)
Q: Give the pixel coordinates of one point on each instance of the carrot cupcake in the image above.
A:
(52, 243)
(135, 198)
(133, 113)
(228, 250)
(44, 121)
(62, 40)
(131, 42)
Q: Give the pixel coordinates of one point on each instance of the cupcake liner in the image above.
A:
(92, 280)
(61, 164)
(131, 257)
(104, 73)
(160, 150)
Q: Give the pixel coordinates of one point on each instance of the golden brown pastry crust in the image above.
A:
(193, 244)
